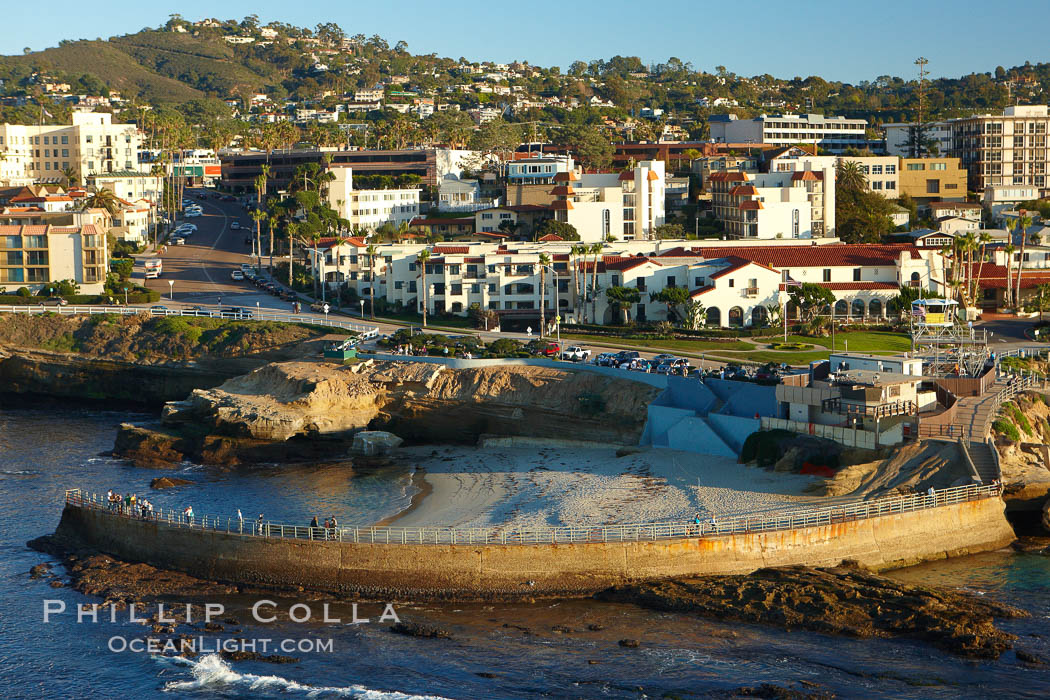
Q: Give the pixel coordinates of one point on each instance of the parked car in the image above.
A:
(605, 359)
(575, 353)
(235, 225)
(186, 227)
(678, 365)
(178, 240)
(160, 310)
(237, 275)
(318, 307)
(625, 356)
(663, 357)
(237, 312)
(192, 214)
(55, 301)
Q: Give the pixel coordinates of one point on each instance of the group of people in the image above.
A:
(130, 504)
(326, 531)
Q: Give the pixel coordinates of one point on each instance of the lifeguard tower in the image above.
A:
(948, 348)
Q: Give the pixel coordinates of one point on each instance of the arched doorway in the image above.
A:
(736, 317)
(857, 308)
(759, 316)
(714, 317)
(875, 308)
(840, 308)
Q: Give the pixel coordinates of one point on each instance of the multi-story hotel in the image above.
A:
(370, 209)
(833, 134)
(33, 256)
(91, 145)
(735, 284)
(996, 149)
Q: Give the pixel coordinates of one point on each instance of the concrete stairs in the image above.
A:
(983, 461)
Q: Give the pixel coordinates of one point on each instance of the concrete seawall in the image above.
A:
(395, 571)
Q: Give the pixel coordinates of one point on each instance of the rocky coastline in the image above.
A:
(298, 411)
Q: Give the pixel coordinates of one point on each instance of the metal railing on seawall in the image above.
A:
(720, 525)
(363, 329)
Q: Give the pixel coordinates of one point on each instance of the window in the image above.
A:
(938, 166)
(891, 169)
(856, 274)
(398, 284)
(933, 186)
(876, 184)
(827, 275)
(876, 170)
(732, 282)
(39, 257)
(891, 185)
(486, 216)
(916, 166)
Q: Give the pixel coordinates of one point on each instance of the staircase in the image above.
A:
(983, 461)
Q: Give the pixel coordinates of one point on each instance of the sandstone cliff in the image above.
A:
(320, 406)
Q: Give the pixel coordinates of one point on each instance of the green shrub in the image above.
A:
(1019, 418)
(24, 292)
(1007, 429)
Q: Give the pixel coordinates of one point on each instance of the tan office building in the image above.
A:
(928, 180)
(33, 256)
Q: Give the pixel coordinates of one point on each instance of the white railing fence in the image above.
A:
(720, 525)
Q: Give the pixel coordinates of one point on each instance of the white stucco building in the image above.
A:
(92, 144)
(833, 134)
(370, 209)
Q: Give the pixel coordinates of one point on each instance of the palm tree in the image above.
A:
(983, 240)
(1042, 298)
(69, 176)
(315, 242)
(622, 298)
(969, 247)
(849, 176)
(1008, 295)
(371, 251)
(596, 249)
(293, 231)
(544, 261)
(103, 199)
(421, 259)
(574, 256)
(1022, 224)
(257, 216)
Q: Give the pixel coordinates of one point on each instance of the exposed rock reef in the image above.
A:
(841, 600)
(310, 410)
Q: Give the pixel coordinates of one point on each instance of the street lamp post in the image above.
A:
(557, 309)
(125, 296)
(171, 289)
(362, 303)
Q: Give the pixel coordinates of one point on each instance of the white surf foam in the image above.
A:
(213, 673)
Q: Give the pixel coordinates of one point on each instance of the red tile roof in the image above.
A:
(751, 204)
(562, 205)
(563, 190)
(742, 190)
(550, 237)
(450, 249)
(994, 277)
(806, 175)
(778, 256)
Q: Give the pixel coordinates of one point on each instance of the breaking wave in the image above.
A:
(213, 673)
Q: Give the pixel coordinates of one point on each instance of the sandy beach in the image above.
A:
(547, 485)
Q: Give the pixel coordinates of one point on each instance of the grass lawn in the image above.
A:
(877, 342)
(659, 344)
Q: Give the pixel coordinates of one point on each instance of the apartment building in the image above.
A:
(928, 180)
(92, 144)
(833, 134)
(704, 166)
(130, 185)
(370, 209)
(1000, 198)
(898, 135)
(736, 284)
(998, 149)
(33, 256)
(880, 172)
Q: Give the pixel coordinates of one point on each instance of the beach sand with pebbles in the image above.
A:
(546, 485)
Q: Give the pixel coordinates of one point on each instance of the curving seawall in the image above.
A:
(396, 571)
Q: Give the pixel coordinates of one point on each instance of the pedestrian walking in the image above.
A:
(259, 524)
(240, 521)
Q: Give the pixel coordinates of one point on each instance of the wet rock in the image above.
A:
(839, 600)
(593, 627)
(373, 443)
(256, 656)
(625, 451)
(167, 482)
(561, 629)
(630, 643)
(213, 627)
(414, 629)
(1045, 519)
(231, 621)
(40, 570)
(57, 584)
(1029, 658)
(593, 662)
(486, 674)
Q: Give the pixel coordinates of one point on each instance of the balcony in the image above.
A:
(883, 410)
(751, 292)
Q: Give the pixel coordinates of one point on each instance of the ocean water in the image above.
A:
(496, 651)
